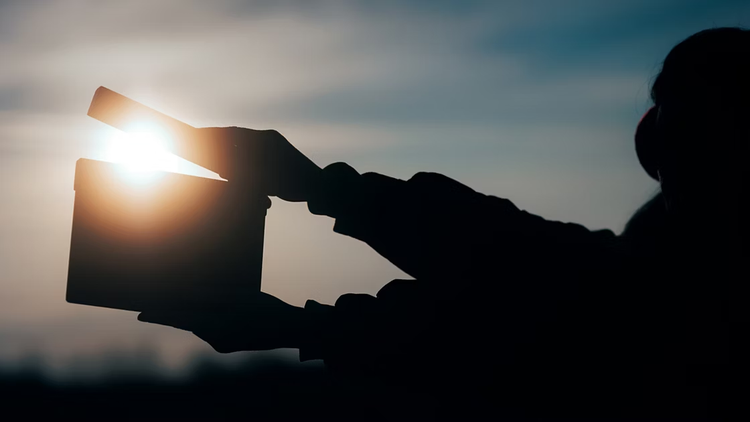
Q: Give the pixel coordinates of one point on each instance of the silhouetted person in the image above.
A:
(524, 316)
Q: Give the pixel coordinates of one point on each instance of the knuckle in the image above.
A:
(354, 300)
(273, 133)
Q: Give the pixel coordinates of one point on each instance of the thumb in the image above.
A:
(171, 319)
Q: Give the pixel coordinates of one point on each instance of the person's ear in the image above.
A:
(647, 142)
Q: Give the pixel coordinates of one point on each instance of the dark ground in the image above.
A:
(269, 389)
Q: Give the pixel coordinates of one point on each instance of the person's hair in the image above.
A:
(704, 86)
(709, 70)
(711, 64)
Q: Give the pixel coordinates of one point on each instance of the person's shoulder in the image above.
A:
(648, 221)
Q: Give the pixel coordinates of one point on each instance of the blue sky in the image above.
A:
(531, 100)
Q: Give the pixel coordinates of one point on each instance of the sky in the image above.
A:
(535, 101)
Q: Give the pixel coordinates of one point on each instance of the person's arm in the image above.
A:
(430, 226)
(395, 331)
(413, 332)
(433, 227)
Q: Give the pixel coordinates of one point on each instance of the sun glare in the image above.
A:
(140, 152)
(144, 154)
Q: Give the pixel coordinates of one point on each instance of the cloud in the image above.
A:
(231, 58)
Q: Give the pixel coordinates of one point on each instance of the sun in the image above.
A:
(140, 152)
(143, 155)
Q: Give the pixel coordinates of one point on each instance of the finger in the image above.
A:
(179, 321)
(218, 149)
(220, 343)
(260, 156)
(212, 148)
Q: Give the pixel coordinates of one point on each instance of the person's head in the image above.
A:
(694, 140)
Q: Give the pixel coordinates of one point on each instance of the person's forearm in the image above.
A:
(346, 332)
(416, 224)
(433, 227)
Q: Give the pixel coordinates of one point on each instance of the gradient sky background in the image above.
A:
(531, 100)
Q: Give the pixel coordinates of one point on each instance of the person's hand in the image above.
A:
(257, 158)
(260, 322)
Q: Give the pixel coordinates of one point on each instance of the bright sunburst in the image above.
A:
(144, 154)
(140, 152)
